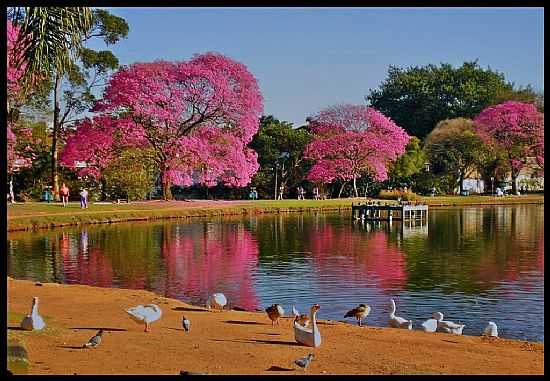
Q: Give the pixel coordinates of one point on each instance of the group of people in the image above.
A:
(300, 192)
(64, 194)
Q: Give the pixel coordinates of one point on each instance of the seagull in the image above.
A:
(360, 312)
(304, 361)
(94, 340)
(185, 323)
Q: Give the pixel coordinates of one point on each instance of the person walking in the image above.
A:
(84, 198)
(12, 196)
(281, 191)
(299, 192)
(316, 193)
(64, 191)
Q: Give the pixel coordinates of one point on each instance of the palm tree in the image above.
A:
(50, 38)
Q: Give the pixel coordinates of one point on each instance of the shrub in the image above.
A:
(386, 194)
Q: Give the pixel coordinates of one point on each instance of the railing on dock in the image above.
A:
(388, 212)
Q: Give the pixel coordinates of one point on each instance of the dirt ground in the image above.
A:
(235, 342)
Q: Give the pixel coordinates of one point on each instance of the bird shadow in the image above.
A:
(256, 341)
(269, 334)
(70, 347)
(450, 341)
(275, 368)
(242, 322)
(189, 309)
(98, 328)
(175, 329)
(16, 328)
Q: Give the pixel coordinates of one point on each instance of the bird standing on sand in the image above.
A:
(301, 319)
(275, 312)
(304, 361)
(145, 314)
(94, 340)
(186, 324)
(217, 301)
(491, 330)
(447, 326)
(33, 321)
(360, 312)
(398, 321)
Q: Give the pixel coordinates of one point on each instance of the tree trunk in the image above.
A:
(166, 185)
(341, 189)
(55, 133)
(514, 182)
(355, 186)
(461, 184)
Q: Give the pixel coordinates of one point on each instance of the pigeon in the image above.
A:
(94, 340)
(304, 361)
(185, 323)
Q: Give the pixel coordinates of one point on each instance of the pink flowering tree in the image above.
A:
(517, 130)
(351, 141)
(197, 116)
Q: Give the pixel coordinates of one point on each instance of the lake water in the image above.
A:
(474, 264)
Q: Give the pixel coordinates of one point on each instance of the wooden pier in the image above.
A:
(389, 212)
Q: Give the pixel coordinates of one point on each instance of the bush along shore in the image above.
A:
(30, 216)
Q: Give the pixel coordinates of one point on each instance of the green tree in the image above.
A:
(132, 175)
(454, 150)
(80, 78)
(280, 147)
(417, 98)
(409, 164)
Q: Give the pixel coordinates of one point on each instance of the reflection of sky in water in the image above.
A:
(472, 264)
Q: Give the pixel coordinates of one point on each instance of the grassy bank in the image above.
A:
(34, 215)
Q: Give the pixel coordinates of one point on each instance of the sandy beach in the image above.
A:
(234, 342)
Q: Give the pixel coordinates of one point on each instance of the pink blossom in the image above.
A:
(351, 140)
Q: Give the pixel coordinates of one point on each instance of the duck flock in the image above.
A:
(305, 327)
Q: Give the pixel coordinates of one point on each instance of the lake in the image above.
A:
(474, 264)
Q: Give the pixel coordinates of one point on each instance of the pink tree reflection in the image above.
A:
(364, 257)
(218, 258)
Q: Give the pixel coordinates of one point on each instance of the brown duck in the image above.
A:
(275, 312)
(360, 312)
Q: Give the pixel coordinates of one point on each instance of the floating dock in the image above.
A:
(378, 212)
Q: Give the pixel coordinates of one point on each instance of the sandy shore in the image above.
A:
(235, 342)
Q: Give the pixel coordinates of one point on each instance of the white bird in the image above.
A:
(186, 324)
(217, 300)
(94, 340)
(310, 337)
(33, 321)
(491, 330)
(448, 326)
(145, 314)
(430, 325)
(301, 319)
(396, 321)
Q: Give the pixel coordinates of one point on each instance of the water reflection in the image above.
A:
(473, 264)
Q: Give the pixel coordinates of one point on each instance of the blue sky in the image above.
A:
(307, 58)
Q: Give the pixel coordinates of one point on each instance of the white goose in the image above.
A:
(397, 321)
(448, 326)
(145, 314)
(491, 330)
(306, 336)
(217, 300)
(33, 320)
(430, 325)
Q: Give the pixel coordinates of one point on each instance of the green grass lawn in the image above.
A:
(31, 215)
